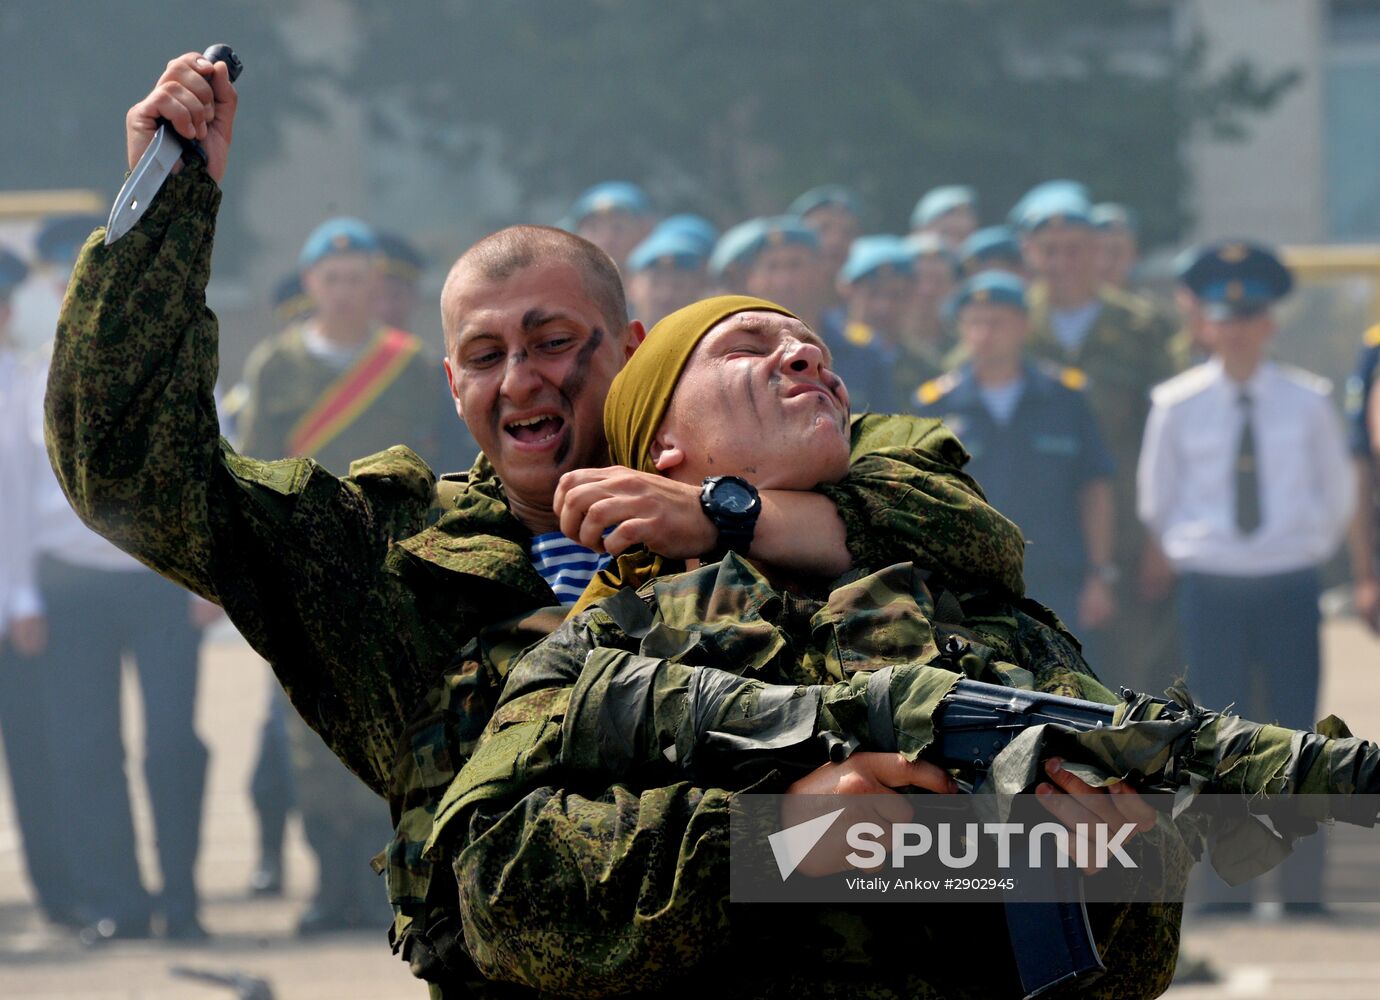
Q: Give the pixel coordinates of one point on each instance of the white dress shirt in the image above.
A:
(22, 466)
(1186, 482)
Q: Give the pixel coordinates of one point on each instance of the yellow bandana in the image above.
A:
(641, 392)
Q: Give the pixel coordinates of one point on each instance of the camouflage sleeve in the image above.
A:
(907, 498)
(297, 557)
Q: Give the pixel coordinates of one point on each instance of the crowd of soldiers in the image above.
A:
(1165, 475)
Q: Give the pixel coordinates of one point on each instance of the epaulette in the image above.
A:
(1305, 379)
(936, 389)
(859, 334)
(1372, 337)
(1182, 386)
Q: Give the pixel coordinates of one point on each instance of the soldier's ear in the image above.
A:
(666, 454)
(636, 333)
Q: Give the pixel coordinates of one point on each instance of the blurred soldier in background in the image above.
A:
(729, 259)
(615, 216)
(25, 694)
(100, 606)
(834, 212)
(399, 281)
(783, 263)
(995, 248)
(664, 272)
(336, 385)
(1363, 418)
(1029, 422)
(1244, 479)
(925, 330)
(1189, 345)
(1117, 247)
(1114, 339)
(950, 212)
(876, 285)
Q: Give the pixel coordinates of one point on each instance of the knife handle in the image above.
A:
(220, 52)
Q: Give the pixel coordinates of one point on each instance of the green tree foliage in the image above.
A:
(734, 106)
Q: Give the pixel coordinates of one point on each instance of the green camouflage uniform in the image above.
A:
(590, 866)
(363, 591)
(1124, 356)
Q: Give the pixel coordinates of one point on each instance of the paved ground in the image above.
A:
(1338, 959)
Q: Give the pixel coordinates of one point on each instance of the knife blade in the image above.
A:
(167, 149)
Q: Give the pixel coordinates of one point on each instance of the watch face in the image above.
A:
(733, 497)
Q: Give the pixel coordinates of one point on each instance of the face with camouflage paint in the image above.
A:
(757, 399)
(529, 366)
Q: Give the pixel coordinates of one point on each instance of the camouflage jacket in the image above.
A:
(364, 591)
(581, 877)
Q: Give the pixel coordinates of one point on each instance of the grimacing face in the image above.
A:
(757, 400)
(529, 365)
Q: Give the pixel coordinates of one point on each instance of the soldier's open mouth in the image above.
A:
(536, 430)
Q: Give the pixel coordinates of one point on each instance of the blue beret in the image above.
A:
(400, 257)
(610, 196)
(996, 287)
(1110, 215)
(742, 243)
(938, 201)
(1055, 208)
(931, 245)
(12, 272)
(291, 303)
(1237, 278)
(827, 194)
(667, 248)
(992, 243)
(695, 227)
(335, 236)
(870, 254)
(1070, 190)
(60, 239)
(735, 246)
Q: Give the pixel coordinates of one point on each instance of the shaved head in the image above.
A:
(498, 257)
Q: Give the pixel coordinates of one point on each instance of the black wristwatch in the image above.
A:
(733, 505)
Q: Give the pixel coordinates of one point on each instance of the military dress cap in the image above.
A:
(60, 238)
(931, 245)
(826, 195)
(12, 271)
(400, 258)
(873, 256)
(667, 249)
(291, 303)
(1237, 278)
(995, 243)
(1110, 215)
(610, 196)
(337, 236)
(940, 201)
(995, 287)
(1072, 190)
(695, 227)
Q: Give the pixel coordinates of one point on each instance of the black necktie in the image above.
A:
(1247, 480)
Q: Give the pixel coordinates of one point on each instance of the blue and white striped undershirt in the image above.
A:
(567, 566)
